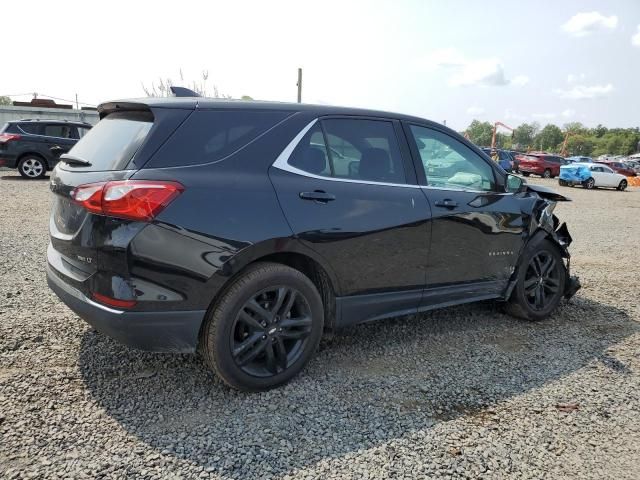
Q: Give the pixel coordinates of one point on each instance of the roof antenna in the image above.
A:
(183, 92)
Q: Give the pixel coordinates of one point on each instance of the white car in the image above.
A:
(591, 175)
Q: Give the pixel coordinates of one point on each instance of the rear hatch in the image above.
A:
(112, 150)
(529, 161)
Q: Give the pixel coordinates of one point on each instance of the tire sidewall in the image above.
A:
(32, 157)
(623, 185)
(224, 315)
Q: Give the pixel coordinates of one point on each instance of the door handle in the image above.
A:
(446, 203)
(317, 196)
(55, 147)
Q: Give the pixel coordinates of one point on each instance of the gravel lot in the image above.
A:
(462, 393)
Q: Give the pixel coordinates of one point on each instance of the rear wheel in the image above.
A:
(546, 173)
(623, 185)
(32, 167)
(264, 329)
(562, 183)
(589, 184)
(540, 283)
(526, 174)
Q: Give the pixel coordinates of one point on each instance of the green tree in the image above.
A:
(549, 137)
(575, 127)
(480, 133)
(524, 135)
(580, 145)
(5, 101)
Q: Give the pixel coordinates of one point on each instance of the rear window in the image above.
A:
(113, 142)
(211, 135)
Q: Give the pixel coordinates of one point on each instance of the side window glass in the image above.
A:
(364, 150)
(310, 155)
(450, 164)
(30, 128)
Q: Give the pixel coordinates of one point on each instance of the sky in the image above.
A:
(509, 61)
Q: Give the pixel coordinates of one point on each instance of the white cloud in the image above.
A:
(578, 77)
(544, 116)
(568, 113)
(475, 110)
(489, 72)
(520, 80)
(468, 72)
(444, 57)
(580, 92)
(635, 39)
(585, 23)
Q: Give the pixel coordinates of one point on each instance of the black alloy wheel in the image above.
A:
(265, 327)
(270, 331)
(542, 281)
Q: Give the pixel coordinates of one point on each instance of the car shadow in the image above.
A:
(20, 178)
(368, 385)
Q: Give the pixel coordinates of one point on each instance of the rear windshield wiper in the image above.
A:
(73, 160)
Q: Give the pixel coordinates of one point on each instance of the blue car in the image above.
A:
(505, 159)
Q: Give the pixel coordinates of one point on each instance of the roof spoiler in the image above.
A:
(183, 92)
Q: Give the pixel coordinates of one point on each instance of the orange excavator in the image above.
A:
(495, 129)
(563, 151)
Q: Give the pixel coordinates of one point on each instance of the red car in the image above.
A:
(540, 163)
(619, 167)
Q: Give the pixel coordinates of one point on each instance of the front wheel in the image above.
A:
(589, 184)
(622, 186)
(540, 283)
(562, 183)
(526, 174)
(264, 329)
(546, 173)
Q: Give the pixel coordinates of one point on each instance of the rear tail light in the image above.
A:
(7, 137)
(139, 200)
(113, 302)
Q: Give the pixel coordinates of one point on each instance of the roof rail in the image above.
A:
(183, 92)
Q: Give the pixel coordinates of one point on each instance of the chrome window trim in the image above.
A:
(282, 163)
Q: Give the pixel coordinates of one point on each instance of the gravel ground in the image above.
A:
(464, 393)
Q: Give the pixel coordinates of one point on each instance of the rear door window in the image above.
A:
(58, 131)
(112, 143)
(353, 149)
(211, 135)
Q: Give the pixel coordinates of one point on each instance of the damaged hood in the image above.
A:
(546, 193)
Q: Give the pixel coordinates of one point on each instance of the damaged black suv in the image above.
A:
(244, 230)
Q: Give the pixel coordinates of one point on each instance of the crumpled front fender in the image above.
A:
(545, 225)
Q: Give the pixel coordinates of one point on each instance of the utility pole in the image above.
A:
(299, 85)
(77, 105)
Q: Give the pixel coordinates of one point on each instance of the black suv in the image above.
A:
(243, 230)
(34, 146)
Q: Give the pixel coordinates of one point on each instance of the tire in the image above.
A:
(589, 184)
(547, 174)
(562, 183)
(32, 167)
(622, 186)
(552, 284)
(270, 349)
(526, 174)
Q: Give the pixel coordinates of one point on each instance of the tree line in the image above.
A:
(581, 141)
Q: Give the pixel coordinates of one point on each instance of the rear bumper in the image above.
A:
(159, 331)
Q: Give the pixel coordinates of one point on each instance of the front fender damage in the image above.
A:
(545, 225)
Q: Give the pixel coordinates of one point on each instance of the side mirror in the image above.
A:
(514, 184)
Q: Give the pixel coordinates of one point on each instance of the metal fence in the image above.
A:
(8, 113)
